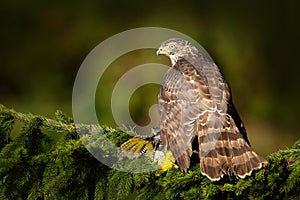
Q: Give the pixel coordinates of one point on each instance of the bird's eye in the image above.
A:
(171, 46)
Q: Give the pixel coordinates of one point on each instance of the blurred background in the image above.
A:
(255, 44)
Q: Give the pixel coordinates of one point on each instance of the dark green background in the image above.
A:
(255, 43)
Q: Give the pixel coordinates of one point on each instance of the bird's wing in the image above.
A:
(223, 145)
(218, 87)
(232, 111)
(179, 98)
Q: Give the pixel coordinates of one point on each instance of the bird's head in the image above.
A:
(176, 48)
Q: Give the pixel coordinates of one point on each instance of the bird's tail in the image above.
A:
(226, 152)
(231, 155)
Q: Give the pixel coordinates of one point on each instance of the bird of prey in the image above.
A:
(195, 101)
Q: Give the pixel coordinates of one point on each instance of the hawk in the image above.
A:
(195, 101)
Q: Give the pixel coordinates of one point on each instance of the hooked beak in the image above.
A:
(160, 51)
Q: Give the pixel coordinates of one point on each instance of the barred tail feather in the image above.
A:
(230, 155)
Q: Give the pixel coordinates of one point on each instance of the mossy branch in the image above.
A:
(66, 170)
